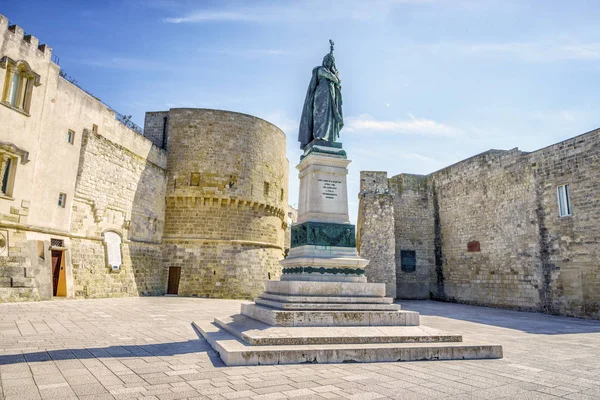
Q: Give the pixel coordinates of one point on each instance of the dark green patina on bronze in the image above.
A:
(341, 153)
(323, 270)
(323, 234)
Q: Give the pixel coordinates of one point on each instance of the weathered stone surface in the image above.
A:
(306, 288)
(529, 258)
(257, 333)
(288, 318)
(235, 352)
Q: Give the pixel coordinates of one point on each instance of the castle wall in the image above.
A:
(375, 239)
(119, 171)
(155, 128)
(413, 211)
(569, 253)
(487, 230)
(131, 205)
(226, 202)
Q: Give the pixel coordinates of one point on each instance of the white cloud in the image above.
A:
(411, 126)
(206, 16)
(540, 51)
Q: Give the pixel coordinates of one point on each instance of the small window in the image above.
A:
(95, 129)
(195, 179)
(564, 201)
(70, 136)
(266, 189)
(281, 196)
(408, 260)
(18, 86)
(62, 200)
(6, 173)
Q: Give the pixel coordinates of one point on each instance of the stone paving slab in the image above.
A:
(138, 348)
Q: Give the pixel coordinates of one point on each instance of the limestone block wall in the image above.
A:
(226, 202)
(489, 237)
(121, 191)
(375, 239)
(155, 128)
(414, 231)
(569, 246)
(487, 230)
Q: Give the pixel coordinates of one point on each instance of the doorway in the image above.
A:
(58, 272)
(174, 274)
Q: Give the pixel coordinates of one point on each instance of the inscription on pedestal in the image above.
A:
(329, 188)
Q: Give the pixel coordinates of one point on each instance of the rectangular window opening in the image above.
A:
(266, 189)
(281, 197)
(6, 183)
(564, 201)
(70, 136)
(408, 260)
(95, 129)
(62, 200)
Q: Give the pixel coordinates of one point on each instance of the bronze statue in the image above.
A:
(322, 116)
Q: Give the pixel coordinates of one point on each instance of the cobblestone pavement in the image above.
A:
(146, 348)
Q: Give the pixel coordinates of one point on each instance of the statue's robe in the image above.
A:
(322, 112)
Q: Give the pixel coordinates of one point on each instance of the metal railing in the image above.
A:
(122, 118)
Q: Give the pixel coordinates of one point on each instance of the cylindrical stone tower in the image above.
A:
(226, 202)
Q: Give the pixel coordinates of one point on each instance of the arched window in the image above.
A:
(18, 84)
(112, 241)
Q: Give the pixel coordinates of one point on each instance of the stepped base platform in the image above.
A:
(276, 345)
(333, 317)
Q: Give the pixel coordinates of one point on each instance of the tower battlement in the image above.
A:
(16, 33)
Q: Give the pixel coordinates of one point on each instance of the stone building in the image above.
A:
(504, 228)
(91, 207)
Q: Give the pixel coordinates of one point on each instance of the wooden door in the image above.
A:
(56, 260)
(174, 274)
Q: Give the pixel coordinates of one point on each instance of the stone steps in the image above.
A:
(235, 352)
(326, 299)
(289, 318)
(354, 306)
(257, 333)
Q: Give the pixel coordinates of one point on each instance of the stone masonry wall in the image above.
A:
(570, 250)
(488, 229)
(375, 240)
(489, 232)
(413, 210)
(155, 129)
(119, 191)
(226, 202)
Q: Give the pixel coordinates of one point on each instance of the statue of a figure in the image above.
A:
(322, 113)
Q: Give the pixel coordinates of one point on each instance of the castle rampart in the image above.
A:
(91, 208)
(488, 229)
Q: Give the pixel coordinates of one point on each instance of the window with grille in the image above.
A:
(57, 243)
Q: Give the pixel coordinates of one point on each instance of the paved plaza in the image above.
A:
(146, 348)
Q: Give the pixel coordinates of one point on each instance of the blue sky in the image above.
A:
(426, 83)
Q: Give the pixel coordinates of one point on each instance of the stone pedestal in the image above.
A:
(323, 309)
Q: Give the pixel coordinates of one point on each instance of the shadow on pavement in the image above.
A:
(530, 322)
(199, 345)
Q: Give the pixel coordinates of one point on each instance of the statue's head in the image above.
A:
(328, 61)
